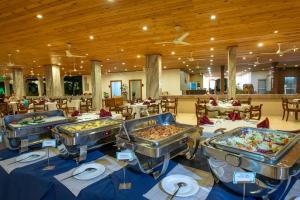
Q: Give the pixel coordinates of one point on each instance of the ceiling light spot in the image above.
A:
(212, 39)
(250, 52)
(138, 56)
(179, 58)
(211, 56)
(115, 67)
(173, 52)
(86, 54)
(91, 37)
(165, 67)
(82, 61)
(213, 17)
(39, 16)
(270, 59)
(123, 63)
(280, 55)
(211, 60)
(244, 58)
(260, 44)
(109, 70)
(183, 62)
(276, 31)
(49, 45)
(211, 49)
(145, 28)
(134, 66)
(122, 50)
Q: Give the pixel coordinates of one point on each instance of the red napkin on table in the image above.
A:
(104, 113)
(204, 120)
(214, 102)
(234, 116)
(75, 113)
(211, 98)
(236, 103)
(264, 124)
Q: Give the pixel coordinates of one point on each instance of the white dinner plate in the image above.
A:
(31, 156)
(87, 175)
(169, 185)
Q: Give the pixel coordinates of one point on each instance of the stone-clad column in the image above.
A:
(53, 81)
(153, 71)
(276, 78)
(231, 90)
(40, 86)
(96, 84)
(6, 86)
(18, 82)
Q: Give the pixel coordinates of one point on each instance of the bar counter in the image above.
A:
(271, 102)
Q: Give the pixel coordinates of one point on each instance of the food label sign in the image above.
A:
(244, 177)
(125, 155)
(49, 143)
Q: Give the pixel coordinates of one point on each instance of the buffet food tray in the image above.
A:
(264, 157)
(107, 124)
(158, 142)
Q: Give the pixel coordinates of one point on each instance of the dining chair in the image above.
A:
(153, 108)
(22, 108)
(83, 106)
(284, 107)
(163, 104)
(3, 109)
(39, 106)
(171, 104)
(292, 107)
(255, 112)
(63, 105)
(248, 101)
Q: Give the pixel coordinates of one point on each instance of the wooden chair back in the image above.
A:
(255, 112)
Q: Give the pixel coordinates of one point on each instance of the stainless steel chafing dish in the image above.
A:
(274, 170)
(150, 154)
(77, 138)
(23, 130)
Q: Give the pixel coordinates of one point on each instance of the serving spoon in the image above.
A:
(89, 169)
(180, 184)
(31, 156)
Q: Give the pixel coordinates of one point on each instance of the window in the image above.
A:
(290, 85)
(73, 85)
(262, 86)
(115, 88)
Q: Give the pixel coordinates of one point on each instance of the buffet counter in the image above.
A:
(271, 102)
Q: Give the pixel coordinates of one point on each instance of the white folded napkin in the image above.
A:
(5, 164)
(157, 193)
(75, 186)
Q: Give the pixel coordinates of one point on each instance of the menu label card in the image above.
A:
(125, 155)
(49, 143)
(244, 177)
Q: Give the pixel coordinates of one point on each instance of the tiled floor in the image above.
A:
(275, 121)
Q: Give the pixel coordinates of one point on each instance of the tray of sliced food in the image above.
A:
(81, 127)
(261, 144)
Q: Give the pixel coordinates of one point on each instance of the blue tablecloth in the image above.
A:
(32, 183)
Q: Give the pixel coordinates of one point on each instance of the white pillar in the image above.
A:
(18, 82)
(96, 84)
(153, 71)
(53, 81)
(40, 86)
(231, 71)
(6, 87)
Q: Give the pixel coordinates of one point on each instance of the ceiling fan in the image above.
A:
(280, 52)
(10, 63)
(257, 62)
(192, 59)
(69, 54)
(178, 41)
(75, 69)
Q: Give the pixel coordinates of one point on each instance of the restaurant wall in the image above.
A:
(281, 74)
(170, 81)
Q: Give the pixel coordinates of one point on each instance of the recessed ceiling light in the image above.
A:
(179, 58)
(260, 44)
(280, 55)
(111, 1)
(244, 58)
(210, 63)
(17, 50)
(213, 17)
(91, 37)
(134, 66)
(145, 28)
(211, 49)
(122, 50)
(86, 54)
(49, 45)
(190, 69)
(249, 68)
(250, 52)
(183, 62)
(270, 59)
(187, 65)
(173, 52)
(107, 59)
(39, 16)
(165, 67)
(109, 70)
(34, 61)
(211, 60)
(123, 63)
(81, 66)
(276, 31)
(138, 56)
(62, 68)
(82, 61)
(115, 67)
(59, 64)
(211, 56)
(254, 65)
(212, 39)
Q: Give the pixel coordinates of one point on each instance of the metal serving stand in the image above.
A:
(23, 130)
(273, 170)
(75, 144)
(151, 154)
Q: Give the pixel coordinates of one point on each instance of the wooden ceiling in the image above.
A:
(119, 38)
